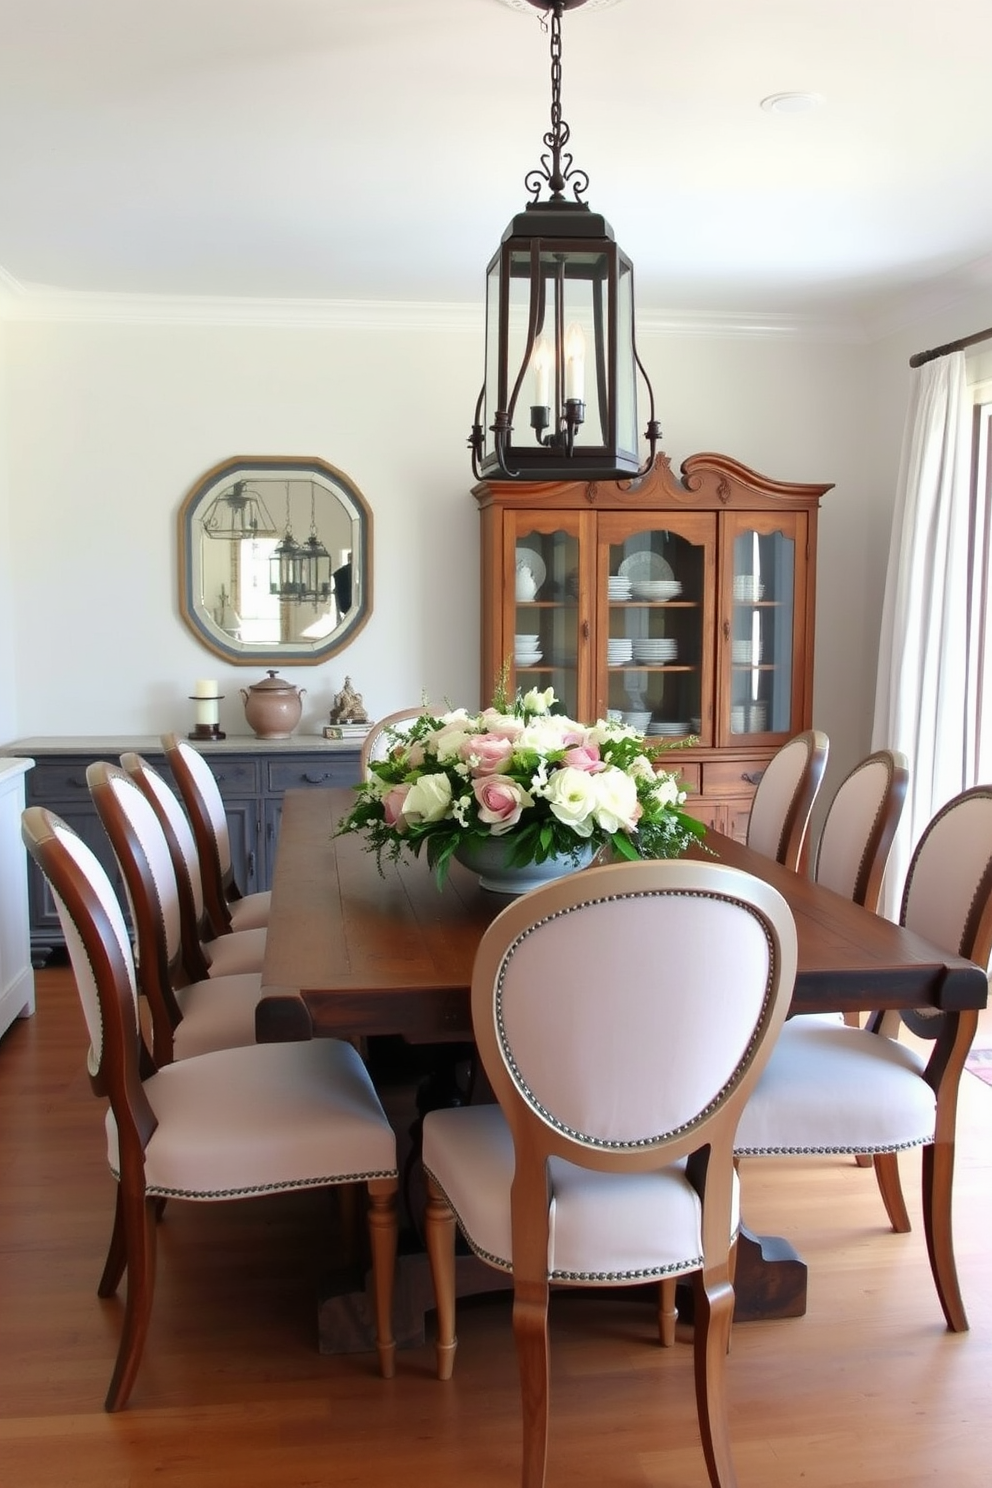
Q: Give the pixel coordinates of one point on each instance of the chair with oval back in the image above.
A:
(382, 734)
(205, 954)
(227, 907)
(627, 1175)
(226, 1125)
(188, 1016)
(830, 1088)
(783, 801)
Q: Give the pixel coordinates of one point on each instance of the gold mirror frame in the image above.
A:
(229, 525)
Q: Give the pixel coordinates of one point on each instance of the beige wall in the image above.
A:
(108, 426)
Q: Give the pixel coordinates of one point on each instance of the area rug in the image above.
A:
(979, 1061)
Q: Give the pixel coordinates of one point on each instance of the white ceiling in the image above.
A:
(375, 149)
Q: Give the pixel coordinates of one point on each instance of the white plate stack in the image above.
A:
(746, 653)
(655, 652)
(618, 587)
(526, 650)
(669, 730)
(638, 720)
(657, 591)
(757, 718)
(747, 588)
(619, 650)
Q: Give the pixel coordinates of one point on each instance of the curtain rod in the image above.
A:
(939, 351)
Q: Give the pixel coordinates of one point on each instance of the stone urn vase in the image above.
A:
(273, 707)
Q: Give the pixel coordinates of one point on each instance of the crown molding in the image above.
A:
(40, 303)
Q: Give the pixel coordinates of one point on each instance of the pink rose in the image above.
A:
(392, 807)
(501, 802)
(584, 757)
(487, 754)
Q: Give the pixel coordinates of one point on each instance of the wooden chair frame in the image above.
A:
(792, 846)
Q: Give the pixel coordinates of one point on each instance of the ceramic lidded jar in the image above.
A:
(273, 707)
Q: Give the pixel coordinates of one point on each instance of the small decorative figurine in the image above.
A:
(348, 706)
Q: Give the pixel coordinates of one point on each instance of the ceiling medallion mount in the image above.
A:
(529, 5)
(559, 304)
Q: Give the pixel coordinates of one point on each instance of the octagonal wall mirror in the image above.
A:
(275, 560)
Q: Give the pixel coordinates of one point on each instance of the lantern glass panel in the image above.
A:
(626, 405)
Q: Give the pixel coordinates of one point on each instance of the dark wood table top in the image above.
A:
(351, 953)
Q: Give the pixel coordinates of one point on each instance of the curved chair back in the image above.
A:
(860, 824)
(784, 799)
(377, 741)
(947, 897)
(142, 851)
(205, 808)
(185, 860)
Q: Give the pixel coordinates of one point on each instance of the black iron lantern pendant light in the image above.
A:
(559, 401)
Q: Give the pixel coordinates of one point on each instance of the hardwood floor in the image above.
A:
(867, 1389)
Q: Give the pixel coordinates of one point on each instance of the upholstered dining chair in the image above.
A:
(829, 1088)
(783, 801)
(226, 1125)
(670, 981)
(227, 907)
(861, 821)
(204, 953)
(378, 739)
(187, 1016)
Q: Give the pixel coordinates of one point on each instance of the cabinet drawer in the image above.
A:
(53, 781)
(732, 777)
(234, 777)
(689, 774)
(311, 771)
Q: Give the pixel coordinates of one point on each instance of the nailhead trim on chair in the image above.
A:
(157, 1191)
(646, 1273)
(524, 1088)
(867, 1147)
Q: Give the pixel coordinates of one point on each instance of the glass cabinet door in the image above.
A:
(655, 584)
(765, 569)
(548, 624)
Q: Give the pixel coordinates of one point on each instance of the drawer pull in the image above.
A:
(316, 779)
(752, 779)
(76, 783)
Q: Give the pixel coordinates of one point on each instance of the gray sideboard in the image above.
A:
(253, 775)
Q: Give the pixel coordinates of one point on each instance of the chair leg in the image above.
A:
(382, 1236)
(530, 1330)
(138, 1217)
(890, 1187)
(713, 1313)
(938, 1183)
(116, 1262)
(668, 1313)
(439, 1237)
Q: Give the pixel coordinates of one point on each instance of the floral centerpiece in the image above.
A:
(547, 786)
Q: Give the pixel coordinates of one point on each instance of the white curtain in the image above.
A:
(923, 703)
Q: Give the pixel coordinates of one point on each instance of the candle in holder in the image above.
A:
(207, 704)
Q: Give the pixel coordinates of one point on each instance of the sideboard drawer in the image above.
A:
(53, 781)
(235, 777)
(733, 777)
(316, 771)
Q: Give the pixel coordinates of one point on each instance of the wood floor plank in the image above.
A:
(867, 1391)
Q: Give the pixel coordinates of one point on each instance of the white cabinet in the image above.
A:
(16, 975)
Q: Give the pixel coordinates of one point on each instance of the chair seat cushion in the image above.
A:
(605, 1227)
(265, 1118)
(250, 912)
(830, 1088)
(230, 955)
(217, 1014)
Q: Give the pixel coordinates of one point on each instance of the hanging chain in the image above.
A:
(557, 168)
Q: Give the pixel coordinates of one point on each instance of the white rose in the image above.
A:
(537, 701)
(641, 768)
(617, 806)
(667, 792)
(572, 796)
(428, 800)
(448, 743)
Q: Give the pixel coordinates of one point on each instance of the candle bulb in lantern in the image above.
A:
(575, 363)
(541, 363)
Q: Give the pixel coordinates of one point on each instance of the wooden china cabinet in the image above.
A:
(685, 606)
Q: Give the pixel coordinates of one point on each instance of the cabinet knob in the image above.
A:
(752, 777)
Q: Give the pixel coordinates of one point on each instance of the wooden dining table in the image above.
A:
(352, 952)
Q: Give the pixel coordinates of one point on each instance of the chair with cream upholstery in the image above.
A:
(188, 1016)
(784, 799)
(226, 1125)
(380, 736)
(227, 907)
(204, 953)
(622, 1016)
(859, 826)
(829, 1088)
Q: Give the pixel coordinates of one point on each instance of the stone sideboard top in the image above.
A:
(113, 745)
